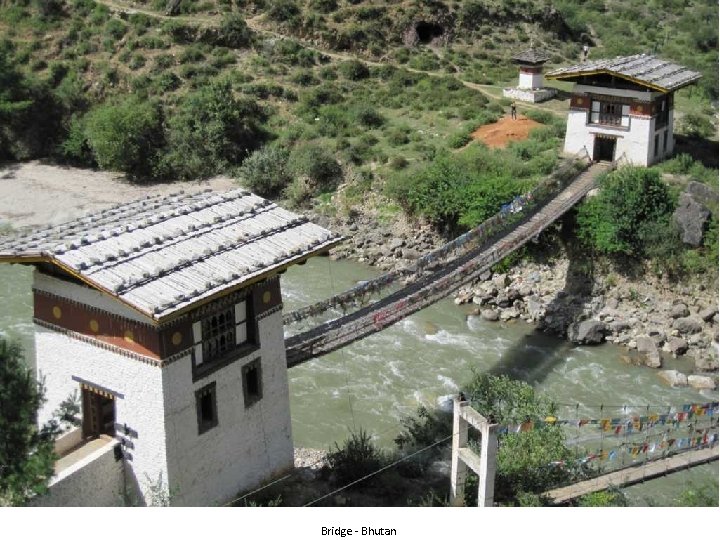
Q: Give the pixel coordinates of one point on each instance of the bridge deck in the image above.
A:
(634, 475)
(342, 331)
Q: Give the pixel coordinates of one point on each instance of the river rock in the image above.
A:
(707, 314)
(611, 303)
(508, 314)
(587, 332)
(502, 300)
(396, 243)
(648, 351)
(618, 326)
(678, 311)
(525, 290)
(691, 216)
(535, 307)
(701, 382)
(676, 346)
(687, 325)
(490, 314)
(673, 377)
(501, 280)
(706, 364)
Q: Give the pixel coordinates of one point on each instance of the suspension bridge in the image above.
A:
(441, 272)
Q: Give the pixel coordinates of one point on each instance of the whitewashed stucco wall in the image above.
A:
(96, 480)
(138, 385)
(248, 445)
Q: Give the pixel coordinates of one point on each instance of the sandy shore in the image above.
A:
(34, 194)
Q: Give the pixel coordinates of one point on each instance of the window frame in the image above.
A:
(206, 425)
(245, 329)
(248, 398)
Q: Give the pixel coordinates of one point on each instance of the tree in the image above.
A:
(126, 136)
(632, 202)
(211, 131)
(524, 459)
(26, 451)
(15, 100)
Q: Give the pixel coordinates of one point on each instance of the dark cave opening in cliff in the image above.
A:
(428, 31)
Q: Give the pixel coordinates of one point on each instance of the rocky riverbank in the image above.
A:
(380, 243)
(652, 318)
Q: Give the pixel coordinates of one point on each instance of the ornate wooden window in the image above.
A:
(610, 114)
(222, 336)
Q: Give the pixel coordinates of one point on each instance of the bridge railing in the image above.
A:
(520, 208)
(428, 288)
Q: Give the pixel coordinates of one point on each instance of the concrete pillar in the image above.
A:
(458, 473)
(488, 452)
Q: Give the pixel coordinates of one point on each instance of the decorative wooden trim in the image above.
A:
(98, 343)
(97, 388)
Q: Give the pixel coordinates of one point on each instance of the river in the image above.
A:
(374, 383)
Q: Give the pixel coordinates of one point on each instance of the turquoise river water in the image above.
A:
(374, 383)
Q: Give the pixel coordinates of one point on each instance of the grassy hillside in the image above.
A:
(362, 94)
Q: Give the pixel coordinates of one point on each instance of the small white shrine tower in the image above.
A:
(165, 316)
(531, 86)
(623, 107)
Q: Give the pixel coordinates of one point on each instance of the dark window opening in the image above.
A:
(657, 145)
(252, 382)
(206, 404)
(98, 409)
(428, 31)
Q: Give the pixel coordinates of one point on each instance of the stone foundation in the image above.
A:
(531, 95)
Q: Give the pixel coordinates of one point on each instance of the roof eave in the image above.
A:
(664, 90)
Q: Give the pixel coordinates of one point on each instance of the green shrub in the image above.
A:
(324, 6)
(632, 201)
(283, 10)
(115, 28)
(354, 70)
(356, 458)
(211, 131)
(125, 136)
(266, 171)
(696, 125)
(234, 32)
(317, 165)
(368, 116)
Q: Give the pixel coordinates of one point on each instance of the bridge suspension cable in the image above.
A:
(429, 288)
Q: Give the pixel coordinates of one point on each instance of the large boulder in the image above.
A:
(587, 332)
(701, 382)
(678, 311)
(676, 346)
(702, 193)
(673, 377)
(707, 314)
(648, 351)
(687, 325)
(691, 216)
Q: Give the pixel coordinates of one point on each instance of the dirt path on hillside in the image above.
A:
(34, 194)
(255, 25)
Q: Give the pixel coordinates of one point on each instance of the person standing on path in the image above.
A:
(513, 111)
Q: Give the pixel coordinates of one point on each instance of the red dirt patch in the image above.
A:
(499, 134)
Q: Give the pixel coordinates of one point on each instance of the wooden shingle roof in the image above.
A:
(643, 69)
(163, 255)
